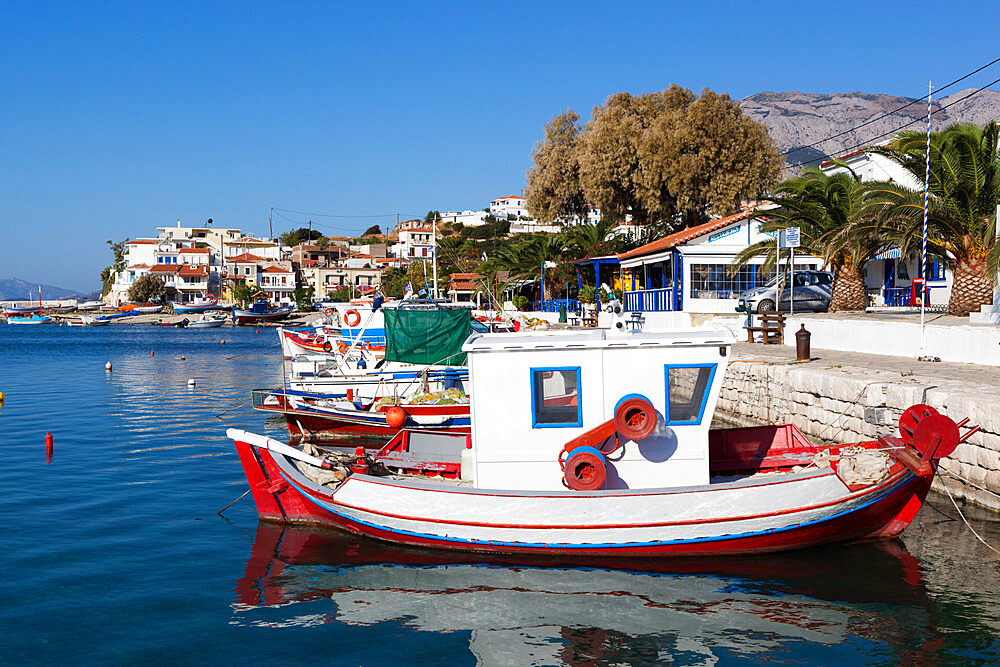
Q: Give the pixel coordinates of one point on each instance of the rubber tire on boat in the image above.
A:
(635, 419)
(327, 347)
(357, 318)
(585, 470)
(765, 306)
(328, 312)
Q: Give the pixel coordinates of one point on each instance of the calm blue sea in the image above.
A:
(113, 552)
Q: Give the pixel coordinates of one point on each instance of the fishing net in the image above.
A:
(426, 336)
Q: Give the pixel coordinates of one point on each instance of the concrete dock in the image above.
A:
(841, 397)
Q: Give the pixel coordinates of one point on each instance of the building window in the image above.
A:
(687, 392)
(555, 397)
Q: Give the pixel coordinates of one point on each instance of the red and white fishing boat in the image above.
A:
(598, 443)
(311, 414)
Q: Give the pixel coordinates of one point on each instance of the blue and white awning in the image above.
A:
(891, 253)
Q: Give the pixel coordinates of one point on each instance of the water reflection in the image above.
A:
(556, 612)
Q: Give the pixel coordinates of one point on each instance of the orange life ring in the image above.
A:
(357, 318)
(328, 312)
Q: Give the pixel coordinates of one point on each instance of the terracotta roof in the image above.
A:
(463, 286)
(142, 242)
(509, 197)
(844, 157)
(416, 229)
(245, 258)
(139, 266)
(684, 236)
(193, 270)
(465, 276)
(276, 269)
(165, 268)
(199, 251)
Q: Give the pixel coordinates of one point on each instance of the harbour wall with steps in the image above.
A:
(840, 404)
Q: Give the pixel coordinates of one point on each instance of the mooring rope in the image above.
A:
(978, 536)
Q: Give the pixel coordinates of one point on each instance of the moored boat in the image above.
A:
(197, 306)
(141, 308)
(261, 311)
(88, 321)
(206, 321)
(599, 444)
(28, 319)
(15, 309)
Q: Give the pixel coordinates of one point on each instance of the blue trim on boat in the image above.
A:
(599, 545)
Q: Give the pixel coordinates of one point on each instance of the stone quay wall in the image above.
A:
(840, 404)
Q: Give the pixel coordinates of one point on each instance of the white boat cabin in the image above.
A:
(531, 394)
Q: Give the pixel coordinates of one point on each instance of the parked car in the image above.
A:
(812, 292)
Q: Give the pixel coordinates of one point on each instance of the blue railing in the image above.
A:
(650, 300)
(553, 305)
(897, 296)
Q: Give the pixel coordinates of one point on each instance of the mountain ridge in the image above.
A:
(17, 289)
(797, 120)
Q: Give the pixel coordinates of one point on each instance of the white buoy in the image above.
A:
(107, 366)
(190, 382)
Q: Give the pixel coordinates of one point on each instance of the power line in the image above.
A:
(889, 113)
(330, 215)
(916, 120)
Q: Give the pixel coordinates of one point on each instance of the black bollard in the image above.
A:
(802, 344)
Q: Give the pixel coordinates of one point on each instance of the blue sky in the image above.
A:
(118, 118)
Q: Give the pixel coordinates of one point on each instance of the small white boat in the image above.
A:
(207, 322)
(89, 305)
(87, 321)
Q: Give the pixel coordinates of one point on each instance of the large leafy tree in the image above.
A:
(654, 156)
(964, 185)
(833, 214)
(553, 189)
(524, 257)
(145, 288)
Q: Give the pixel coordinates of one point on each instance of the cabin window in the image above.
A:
(687, 392)
(555, 397)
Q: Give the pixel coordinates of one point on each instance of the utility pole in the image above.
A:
(435, 251)
(309, 240)
(270, 225)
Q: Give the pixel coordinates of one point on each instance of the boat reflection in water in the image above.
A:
(518, 612)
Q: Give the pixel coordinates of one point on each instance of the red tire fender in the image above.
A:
(585, 469)
(328, 312)
(635, 419)
(327, 347)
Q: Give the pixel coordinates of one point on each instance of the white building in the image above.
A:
(465, 218)
(503, 207)
(689, 270)
(415, 243)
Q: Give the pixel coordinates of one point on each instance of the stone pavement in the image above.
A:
(929, 371)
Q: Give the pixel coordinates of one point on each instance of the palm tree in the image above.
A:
(964, 185)
(830, 211)
(524, 257)
(585, 236)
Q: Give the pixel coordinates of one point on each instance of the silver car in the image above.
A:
(812, 292)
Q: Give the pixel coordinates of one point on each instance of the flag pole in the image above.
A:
(923, 259)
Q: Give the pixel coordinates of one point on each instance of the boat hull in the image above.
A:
(798, 512)
(248, 317)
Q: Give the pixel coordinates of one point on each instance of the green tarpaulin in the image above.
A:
(426, 336)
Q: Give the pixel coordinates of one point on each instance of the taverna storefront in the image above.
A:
(689, 270)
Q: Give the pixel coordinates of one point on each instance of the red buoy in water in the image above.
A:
(48, 445)
(151, 353)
